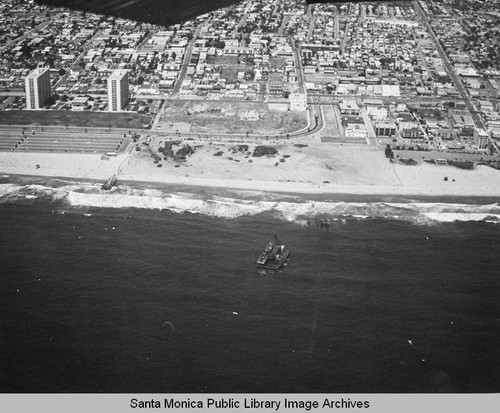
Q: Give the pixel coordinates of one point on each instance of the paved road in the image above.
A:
(449, 68)
(86, 48)
(298, 66)
(148, 37)
(17, 93)
(243, 18)
(312, 24)
(344, 39)
(336, 29)
(325, 99)
(315, 123)
(187, 59)
(157, 118)
(284, 22)
(25, 35)
(372, 137)
(313, 99)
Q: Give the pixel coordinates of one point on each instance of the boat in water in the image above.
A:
(273, 257)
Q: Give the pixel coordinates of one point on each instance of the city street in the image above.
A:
(449, 68)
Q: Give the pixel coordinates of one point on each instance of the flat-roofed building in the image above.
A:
(80, 102)
(385, 129)
(37, 88)
(275, 83)
(481, 138)
(349, 107)
(447, 134)
(118, 93)
(412, 133)
(462, 121)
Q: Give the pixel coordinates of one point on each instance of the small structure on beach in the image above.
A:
(408, 161)
(110, 183)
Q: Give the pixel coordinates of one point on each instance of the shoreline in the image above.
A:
(256, 195)
(314, 172)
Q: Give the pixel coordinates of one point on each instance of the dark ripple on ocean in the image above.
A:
(150, 301)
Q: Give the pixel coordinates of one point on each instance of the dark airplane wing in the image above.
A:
(163, 12)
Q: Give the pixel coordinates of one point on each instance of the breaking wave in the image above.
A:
(90, 195)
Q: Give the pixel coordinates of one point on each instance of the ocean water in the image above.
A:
(156, 290)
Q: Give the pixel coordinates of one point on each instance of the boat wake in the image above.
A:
(85, 195)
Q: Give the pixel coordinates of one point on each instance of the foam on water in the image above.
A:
(90, 195)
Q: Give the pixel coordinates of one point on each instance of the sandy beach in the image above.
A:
(303, 165)
(83, 166)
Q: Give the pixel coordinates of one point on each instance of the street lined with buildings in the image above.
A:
(381, 66)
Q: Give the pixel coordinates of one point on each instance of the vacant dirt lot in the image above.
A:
(233, 117)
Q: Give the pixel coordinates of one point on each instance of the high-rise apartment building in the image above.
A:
(117, 90)
(37, 88)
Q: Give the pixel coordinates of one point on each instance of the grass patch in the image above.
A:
(277, 62)
(211, 60)
(227, 60)
(230, 74)
(66, 117)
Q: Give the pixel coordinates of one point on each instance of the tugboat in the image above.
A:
(273, 257)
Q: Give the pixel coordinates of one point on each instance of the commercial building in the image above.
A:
(118, 94)
(481, 138)
(385, 129)
(37, 88)
(275, 84)
(349, 107)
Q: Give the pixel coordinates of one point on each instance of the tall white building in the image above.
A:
(117, 90)
(37, 88)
